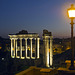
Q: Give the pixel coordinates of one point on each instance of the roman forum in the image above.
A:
(17, 51)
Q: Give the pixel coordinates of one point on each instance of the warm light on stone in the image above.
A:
(48, 56)
(15, 48)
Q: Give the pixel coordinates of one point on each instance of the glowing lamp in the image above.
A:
(71, 15)
(71, 12)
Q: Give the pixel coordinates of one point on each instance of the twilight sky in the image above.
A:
(34, 16)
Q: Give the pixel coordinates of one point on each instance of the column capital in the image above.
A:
(51, 36)
(20, 38)
(16, 38)
(38, 38)
(25, 38)
(30, 38)
(46, 37)
(35, 38)
(11, 38)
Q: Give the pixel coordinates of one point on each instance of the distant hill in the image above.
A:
(62, 57)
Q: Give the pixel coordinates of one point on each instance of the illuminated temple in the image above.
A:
(26, 45)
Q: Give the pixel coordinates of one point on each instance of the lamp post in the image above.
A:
(71, 15)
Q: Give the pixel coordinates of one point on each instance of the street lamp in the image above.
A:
(71, 15)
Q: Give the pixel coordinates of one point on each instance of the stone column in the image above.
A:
(46, 46)
(14, 47)
(38, 47)
(26, 47)
(51, 51)
(20, 47)
(30, 47)
(35, 48)
(44, 52)
(47, 49)
(11, 47)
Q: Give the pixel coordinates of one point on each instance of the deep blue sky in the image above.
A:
(34, 16)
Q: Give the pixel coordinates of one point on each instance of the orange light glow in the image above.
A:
(13, 49)
(28, 48)
(49, 50)
(71, 13)
(0, 47)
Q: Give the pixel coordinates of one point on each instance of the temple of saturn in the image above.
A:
(19, 46)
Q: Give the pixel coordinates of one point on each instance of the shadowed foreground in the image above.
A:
(46, 71)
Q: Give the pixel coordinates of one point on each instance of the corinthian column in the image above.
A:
(51, 51)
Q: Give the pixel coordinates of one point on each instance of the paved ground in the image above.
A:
(65, 73)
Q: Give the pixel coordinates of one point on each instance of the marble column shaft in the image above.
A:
(20, 47)
(47, 52)
(16, 47)
(35, 48)
(30, 47)
(26, 47)
(38, 47)
(51, 51)
(11, 47)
